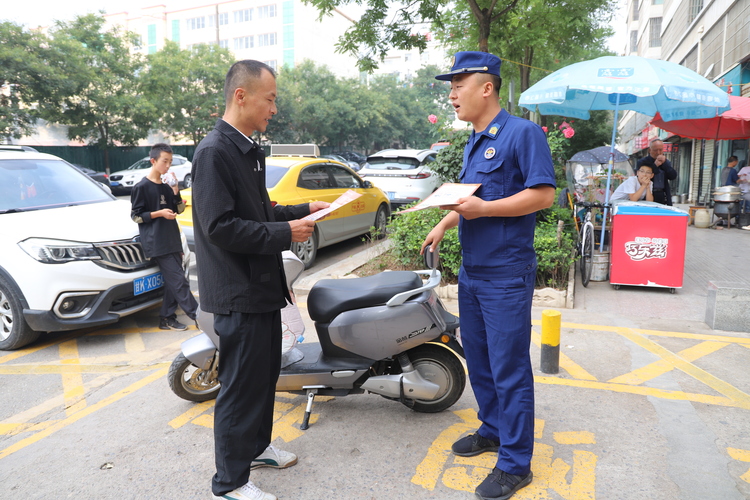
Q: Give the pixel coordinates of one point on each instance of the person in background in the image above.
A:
(239, 237)
(510, 158)
(636, 188)
(743, 180)
(156, 201)
(729, 175)
(663, 172)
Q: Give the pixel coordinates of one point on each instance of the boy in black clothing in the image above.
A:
(155, 206)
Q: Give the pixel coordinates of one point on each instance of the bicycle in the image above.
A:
(585, 244)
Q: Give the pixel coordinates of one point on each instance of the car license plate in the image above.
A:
(114, 183)
(148, 283)
(390, 194)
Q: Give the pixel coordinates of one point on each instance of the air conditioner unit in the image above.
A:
(295, 150)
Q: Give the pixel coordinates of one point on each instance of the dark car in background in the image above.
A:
(352, 156)
(97, 176)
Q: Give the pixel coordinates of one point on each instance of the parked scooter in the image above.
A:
(388, 334)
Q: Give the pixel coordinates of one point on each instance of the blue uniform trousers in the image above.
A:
(496, 335)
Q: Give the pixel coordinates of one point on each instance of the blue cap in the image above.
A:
(472, 62)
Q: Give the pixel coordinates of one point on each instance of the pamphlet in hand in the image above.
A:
(447, 194)
(348, 197)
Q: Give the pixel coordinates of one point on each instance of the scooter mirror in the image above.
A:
(431, 258)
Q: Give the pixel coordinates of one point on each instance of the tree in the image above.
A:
(22, 73)
(386, 25)
(187, 88)
(100, 100)
(316, 106)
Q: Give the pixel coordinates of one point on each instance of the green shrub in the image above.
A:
(409, 230)
(554, 254)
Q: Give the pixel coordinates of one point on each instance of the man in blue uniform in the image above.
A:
(510, 158)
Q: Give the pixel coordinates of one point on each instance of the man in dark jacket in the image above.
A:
(663, 172)
(239, 237)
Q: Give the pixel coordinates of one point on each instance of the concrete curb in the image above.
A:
(343, 268)
(545, 297)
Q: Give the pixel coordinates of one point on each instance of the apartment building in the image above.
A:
(711, 37)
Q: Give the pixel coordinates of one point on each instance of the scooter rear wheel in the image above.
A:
(440, 366)
(189, 382)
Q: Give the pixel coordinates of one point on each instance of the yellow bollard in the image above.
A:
(551, 321)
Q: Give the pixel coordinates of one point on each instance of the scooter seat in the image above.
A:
(328, 298)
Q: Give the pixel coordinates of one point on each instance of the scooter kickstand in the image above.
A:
(308, 410)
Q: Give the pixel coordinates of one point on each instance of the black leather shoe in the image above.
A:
(500, 485)
(474, 444)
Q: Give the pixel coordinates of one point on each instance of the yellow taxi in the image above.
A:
(291, 180)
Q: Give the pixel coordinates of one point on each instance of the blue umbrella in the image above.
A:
(644, 85)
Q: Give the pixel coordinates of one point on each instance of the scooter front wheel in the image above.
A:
(190, 382)
(440, 366)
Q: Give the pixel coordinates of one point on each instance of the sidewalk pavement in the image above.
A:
(649, 402)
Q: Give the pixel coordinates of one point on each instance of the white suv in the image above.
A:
(70, 256)
(404, 175)
(122, 182)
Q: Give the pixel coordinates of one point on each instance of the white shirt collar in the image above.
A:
(238, 130)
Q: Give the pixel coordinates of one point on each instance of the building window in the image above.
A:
(657, 2)
(266, 11)
(266, 39)
(635, 10)
(224, 44)
(654, 32)
(223, 18)
(243, 16)
(195, 23)
(694, 9)
(271, 64)
(245, 42)
(176, 31)
(634, 41)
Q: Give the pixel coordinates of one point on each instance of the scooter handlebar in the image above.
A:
(402, 297)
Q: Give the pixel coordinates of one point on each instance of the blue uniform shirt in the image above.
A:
(511, 155)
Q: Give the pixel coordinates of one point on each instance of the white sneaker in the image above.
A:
(274, 457)
(246, 492)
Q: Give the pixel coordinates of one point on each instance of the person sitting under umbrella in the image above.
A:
(663, 172)
(636, 188)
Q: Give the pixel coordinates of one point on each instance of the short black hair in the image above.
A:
(732, 158)
(647, 166)
(241, 73)
(158, 149)
(495, 80)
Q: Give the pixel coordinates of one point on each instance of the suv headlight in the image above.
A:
(58, 251)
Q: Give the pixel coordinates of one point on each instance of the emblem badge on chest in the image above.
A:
(489, 153)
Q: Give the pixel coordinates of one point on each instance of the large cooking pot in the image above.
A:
(727, 193)
(724, 210)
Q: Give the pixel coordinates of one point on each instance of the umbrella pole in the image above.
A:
(700, 170)
(609, 173)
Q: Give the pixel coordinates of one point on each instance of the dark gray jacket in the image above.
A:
(238, 241)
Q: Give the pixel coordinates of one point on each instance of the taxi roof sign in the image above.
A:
(295, 150)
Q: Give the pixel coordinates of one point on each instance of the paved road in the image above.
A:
(643, 407)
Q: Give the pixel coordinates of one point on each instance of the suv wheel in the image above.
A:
(14, 332)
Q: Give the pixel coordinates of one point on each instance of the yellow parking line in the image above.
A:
(191, 414)
(56, 401)
(75, 369)
(644, 391)
(657, 368)
(71, 419)
(681, 364)
(72, 381)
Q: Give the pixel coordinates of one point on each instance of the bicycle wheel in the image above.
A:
(587, 253)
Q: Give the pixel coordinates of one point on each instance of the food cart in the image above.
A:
(648, 245)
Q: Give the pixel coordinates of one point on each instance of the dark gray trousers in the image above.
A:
(250, 361)
(176, 287)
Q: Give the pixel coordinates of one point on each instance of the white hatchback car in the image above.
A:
(403, 174)
(70, 255)
(122, 181)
